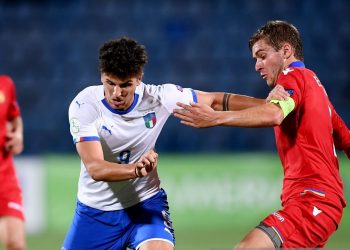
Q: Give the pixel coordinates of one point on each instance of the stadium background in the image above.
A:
(220, 181)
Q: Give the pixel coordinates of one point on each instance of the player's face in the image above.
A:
(119, 93)
(269, 62)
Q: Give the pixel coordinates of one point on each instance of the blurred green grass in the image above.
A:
(195, 229)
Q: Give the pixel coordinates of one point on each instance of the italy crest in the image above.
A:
(150, 119)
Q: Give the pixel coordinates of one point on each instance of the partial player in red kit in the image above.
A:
(312, 195)
(12, 230)
(308, 131)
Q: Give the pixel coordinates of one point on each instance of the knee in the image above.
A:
(242, 244)
(254, 244)
(15, 245)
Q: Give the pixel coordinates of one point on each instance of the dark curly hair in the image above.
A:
(122, 58)
(275, 33)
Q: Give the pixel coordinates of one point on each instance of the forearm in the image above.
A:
(92, 156)
(267, 115)
(14, 135)
(101, 170)
(228, 101)
(16, 126)
(238, 102)
(341, 133)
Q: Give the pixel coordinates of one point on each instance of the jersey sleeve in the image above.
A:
(82, 121)
(289, 79)
(14, 110)
(341, 133)
(171, 94)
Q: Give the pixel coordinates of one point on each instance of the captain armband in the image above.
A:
(287, 106)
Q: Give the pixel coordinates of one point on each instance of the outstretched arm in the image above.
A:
(341, 133)
(220, 101)
(223, 109)
(14, 136)
(201, 115)
(91, 154)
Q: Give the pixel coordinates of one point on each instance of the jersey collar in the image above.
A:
(119, 111)
(297, 64)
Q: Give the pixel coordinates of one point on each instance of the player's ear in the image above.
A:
(287, 50)
(139, 77)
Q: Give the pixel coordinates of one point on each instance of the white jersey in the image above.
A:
(125, 136)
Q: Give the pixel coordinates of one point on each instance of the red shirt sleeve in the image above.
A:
(341, 133)
(14, 110)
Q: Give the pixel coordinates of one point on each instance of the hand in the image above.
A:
(195, 115)
(147, 163)
(277, 93)
(14, 142)
(347, 152)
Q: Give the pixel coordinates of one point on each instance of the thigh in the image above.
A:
(256, 239)
(306, 222)
(152, 224)
(12, 228)
(12, 232)
(11, 201)
(95, 229)
(156, 245)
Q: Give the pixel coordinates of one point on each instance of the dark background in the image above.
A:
(50, 49)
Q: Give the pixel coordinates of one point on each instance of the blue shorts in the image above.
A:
(95, 229)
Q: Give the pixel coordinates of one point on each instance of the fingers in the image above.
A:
(188, 123)
(13, 148)
(9, 144)
(147, 163)
(14, 143)
(150, 157)
(140, 170)
(277, 93)
(279, 86)
(281, 91)
(195, 115)
(186, 113)
(182, 105)
(183, 115)
(143, 170)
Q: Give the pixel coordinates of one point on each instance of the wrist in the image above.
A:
(218, 118)
(137, 172)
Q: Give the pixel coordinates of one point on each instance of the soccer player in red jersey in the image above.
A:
(12, 230)
(307, 130)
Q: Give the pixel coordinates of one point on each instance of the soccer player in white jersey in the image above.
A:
(115, 126)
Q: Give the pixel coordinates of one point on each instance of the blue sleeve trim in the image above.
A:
(194, 95)
(87, 138)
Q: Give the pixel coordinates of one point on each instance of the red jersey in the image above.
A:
(307, 137)
(9, 108)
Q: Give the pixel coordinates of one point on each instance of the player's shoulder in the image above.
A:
(6, 80)
(297, 71)
(90, 93)
(86, 103)
(89, 98)
(295, 74)
(153, 89)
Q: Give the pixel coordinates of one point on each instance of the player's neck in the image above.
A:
(289, 61)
